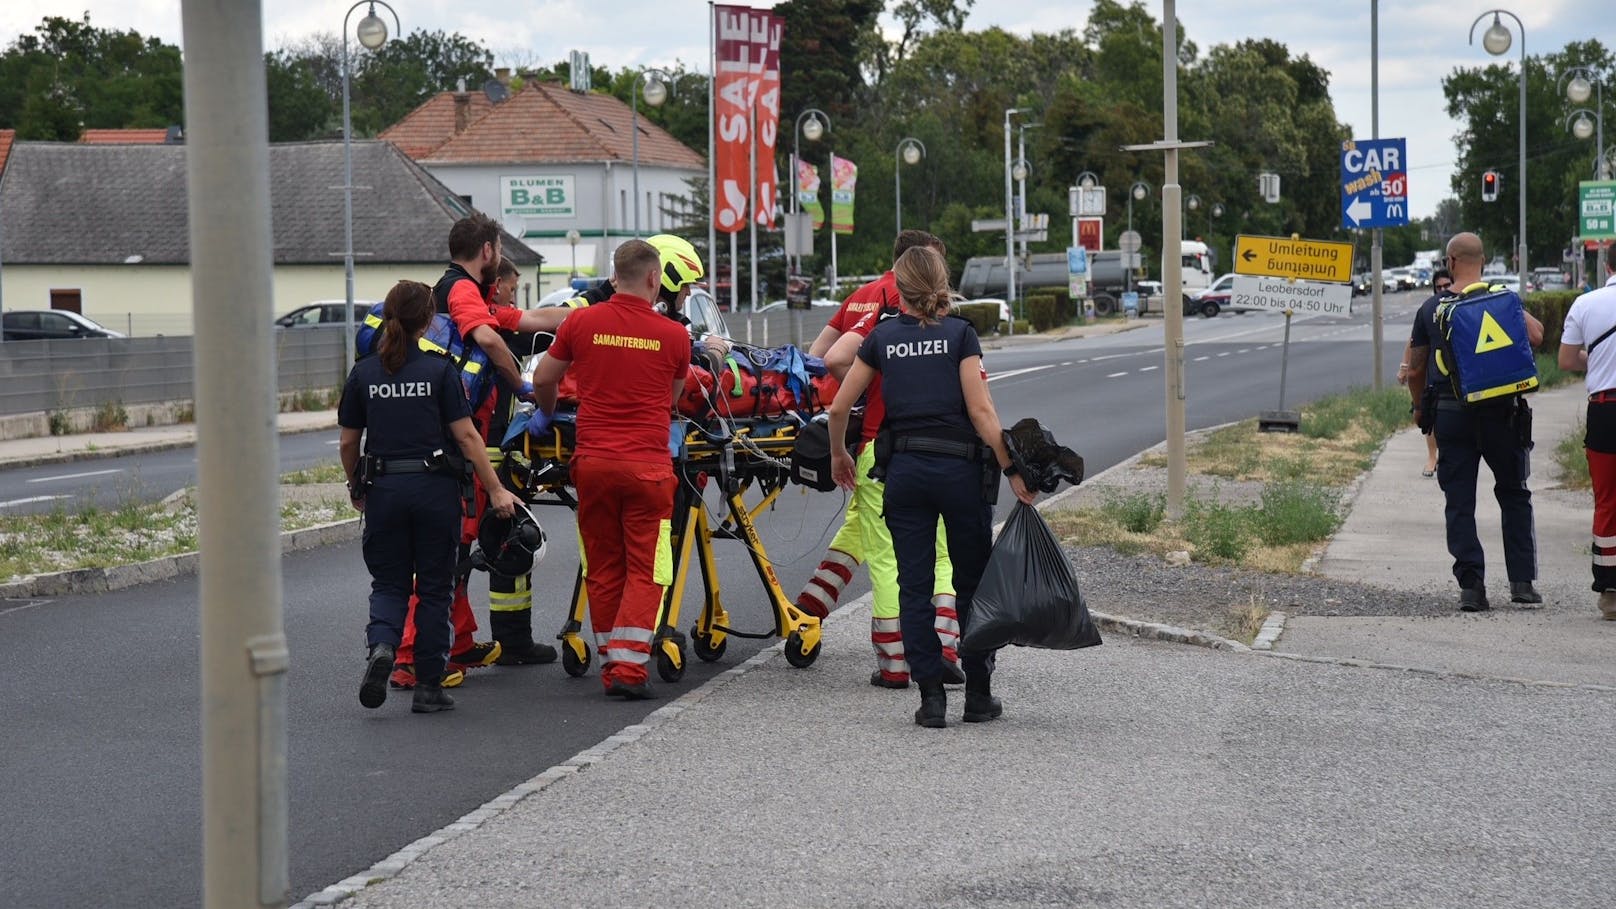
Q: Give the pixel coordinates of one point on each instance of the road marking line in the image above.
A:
(1199, 359)
(1067, 363)
(1082, 361)
(32, 499)
(75, 476)
(1264, 347)
(1243, 350)
(1116, 375)
(334, 442)
(1019, 372)
(1148, 368)
(30, 605)
(1224, 354)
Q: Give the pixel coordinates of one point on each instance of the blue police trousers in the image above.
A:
(921, 488)
(412, 532)
(1466, 436)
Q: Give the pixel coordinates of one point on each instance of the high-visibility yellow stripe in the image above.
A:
(373, 320)
(662, 573)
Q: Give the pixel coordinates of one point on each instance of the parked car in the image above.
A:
(818, 303)
(1512, 282)
(323, 312)
(1549, 279)
(1404, 278)
(52, 324)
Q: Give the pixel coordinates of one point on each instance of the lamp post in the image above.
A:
(572, 240)
(1009, 222)
(1192, 203)
(1140, 191)
(817, 125)
(909, 151)
(1583, 82)
(656, 92)
(1021, 170)
(1497, 40)
(372, 34)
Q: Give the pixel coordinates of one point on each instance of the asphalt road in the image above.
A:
(101, 712)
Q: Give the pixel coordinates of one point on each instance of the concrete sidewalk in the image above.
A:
(1394, 537)
(1135, 774)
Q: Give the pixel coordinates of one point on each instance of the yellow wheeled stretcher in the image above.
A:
(744, 453)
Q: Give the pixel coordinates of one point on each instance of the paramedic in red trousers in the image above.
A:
(947, 450)
(863, 537)
(1466, 435)
(465, 294)
(411, 410)
(1587, 345)
(630, 364)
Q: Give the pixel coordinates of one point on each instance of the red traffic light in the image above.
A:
(1489, 186)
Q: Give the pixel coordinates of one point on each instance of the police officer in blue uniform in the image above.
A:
(942, 450)
(411, 409)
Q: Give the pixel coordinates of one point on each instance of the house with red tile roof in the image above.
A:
(546, 161)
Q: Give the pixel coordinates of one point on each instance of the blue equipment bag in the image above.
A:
(1484, 351)
(443, 339)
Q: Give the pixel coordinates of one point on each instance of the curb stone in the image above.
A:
(81, 581)
(1268, 634)
(101, 454)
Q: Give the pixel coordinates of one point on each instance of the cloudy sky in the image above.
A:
(1420, 41)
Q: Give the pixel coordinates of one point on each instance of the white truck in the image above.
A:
(984, 276)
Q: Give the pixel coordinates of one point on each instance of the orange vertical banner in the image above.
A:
(768, 123)
(738, 65)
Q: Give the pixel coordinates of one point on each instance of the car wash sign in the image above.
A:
(548, 196)
(1374, 183)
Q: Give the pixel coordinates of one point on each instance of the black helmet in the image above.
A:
(1042, 461)
(508, 547)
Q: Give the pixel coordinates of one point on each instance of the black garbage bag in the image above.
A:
(1044, 463)
(1028, 595)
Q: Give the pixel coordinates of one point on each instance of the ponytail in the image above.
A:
(405, 314)
(922, 277)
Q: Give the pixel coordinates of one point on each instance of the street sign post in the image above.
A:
(1090, 201)
(1129, 241)
(1280, 257)
(1294, 296)
(1374, 183)
(1596, 209)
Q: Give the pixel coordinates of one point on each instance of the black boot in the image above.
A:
(952, 673)
(378, 666)
(933, 705)
(431, 699)
(980, 704)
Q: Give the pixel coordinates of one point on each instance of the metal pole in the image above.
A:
(1127, 281)
(634, 132)
(1009, 229)
(1376, 317)
(1021, 185)
(796, 155)
(897, 189)
(347, 208)
(752, 199)
(712, 165)
(1601, 172)
(1172, 267)
(830, 168)
(1284, 360)
(1523, 270)
(243, 655)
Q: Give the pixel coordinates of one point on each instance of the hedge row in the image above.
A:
(985, 316)
(1550, 308)
(1050, 310)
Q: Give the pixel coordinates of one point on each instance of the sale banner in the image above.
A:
(768, 124)
(741, 43)
(808, 192)
(843, 178)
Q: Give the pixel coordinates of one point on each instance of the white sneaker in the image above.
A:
(1607, 605)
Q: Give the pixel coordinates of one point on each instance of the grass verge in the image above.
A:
(1301, 475)
(1572, 459)
(133, 531)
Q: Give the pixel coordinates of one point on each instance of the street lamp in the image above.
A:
(1009, 220)
(372, 34)
(572, 240)
(1139, 191)
(656, 92)
(910, 151)
(1585, 82)
(817, 125)
(1497, 40)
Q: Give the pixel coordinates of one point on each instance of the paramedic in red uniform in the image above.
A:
(465, 294)
(1587, 346)
(630, 363)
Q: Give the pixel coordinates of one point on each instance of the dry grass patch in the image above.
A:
(1242, 622)
(1094, 527)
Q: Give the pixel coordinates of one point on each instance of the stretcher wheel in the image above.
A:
(707, 649)
(669, 666)
(574, 663)
(798, 657)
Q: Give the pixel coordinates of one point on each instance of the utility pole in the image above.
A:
(244, 654)
(1377, 329)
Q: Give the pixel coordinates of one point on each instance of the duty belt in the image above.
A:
(970, 451)
(383, 467)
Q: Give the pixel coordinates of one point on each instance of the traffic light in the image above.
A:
(1489, 186)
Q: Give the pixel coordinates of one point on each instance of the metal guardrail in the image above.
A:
(38, 376)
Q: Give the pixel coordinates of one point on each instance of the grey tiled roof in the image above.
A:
(74, 204)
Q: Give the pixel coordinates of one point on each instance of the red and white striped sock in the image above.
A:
(820, 594)
(886, 635)
(948, 630)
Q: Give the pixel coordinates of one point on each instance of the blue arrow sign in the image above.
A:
(1374, 183)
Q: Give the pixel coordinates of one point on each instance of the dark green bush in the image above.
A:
(985, 316)
(1550, 307)
(1043, 312)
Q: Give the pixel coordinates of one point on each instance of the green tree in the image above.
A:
(393, 80)
(68, 75)
(299, 106)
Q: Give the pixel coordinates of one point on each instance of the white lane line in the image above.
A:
(1019, 372)
(1067, 363)
(1082, 361)
(1243, 350)
(334, 442)
(75, 476)
(1224, 354)
(1116, 375)
(32, 605)
(1264, 347)
(1148, 368)
(1199, 359)
(31, 499)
